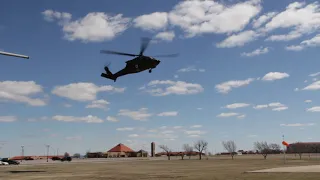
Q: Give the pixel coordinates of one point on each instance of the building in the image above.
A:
(121, 150)
(304, 147)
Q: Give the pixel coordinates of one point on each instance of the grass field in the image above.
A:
(215, 168)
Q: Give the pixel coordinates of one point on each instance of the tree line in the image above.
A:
(262, 148)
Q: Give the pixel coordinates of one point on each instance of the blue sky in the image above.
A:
(247, 71)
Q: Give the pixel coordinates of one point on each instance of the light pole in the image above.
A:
(284, 150)
(22, 152)
(48, 146)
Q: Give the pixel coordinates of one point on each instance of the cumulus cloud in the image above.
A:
(314, 109)
(112, 119)
(8, 118)
(226, 87)
(230, 114)
(275, 106)
(256, 52)
(22, 92)
(196, 126)
(256, 23)
(140, 115)
(165, 36)
(272, 76)
(297, 124)
(125, 129)
(100, 104)
(308, 101)
(198, 17)
(94, 27)
(172, 87)
(313, 86)
(86, 119)
(83, 91)
(191, 69)
(239, 39)
(151, 22)
(168, 113)
(314, 74)
(236, 105)
(313, 42)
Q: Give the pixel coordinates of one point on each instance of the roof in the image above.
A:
(142, 151)
(306, 143)
(120, 148)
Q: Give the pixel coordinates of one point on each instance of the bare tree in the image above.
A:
(188, 150)
(297, 148)
(166, 149)
(263, 148)
(230, 146)
(275, 148)
(200, 146)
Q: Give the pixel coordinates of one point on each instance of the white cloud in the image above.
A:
(87, 119)
(239, 39)
(294, 48)
(140, 115)
(22, 92)
(252, 136)
(285, 37)
(241, 116)
(165, 36)
(151, 22)
(226, 87)
(198, 17)
(83, 91)
(8, 118)
(303, 18)
(190, 69)
(315, 74)
(314, 109)
(256, 52)
(199, 108)
(228, 114)
(177, 127)
(112, 119)
(100, 104)
(271, 76)
(313, 42)
(196, 126)
(236, 105)
(195, 132)
(275, 106)
(43, 118)
(308, 101)
(263, 19)
(176, 76)
(125, 129)
(297, 124)
(172, 87)
(74, 138)
(133, 135)
(313, 86)
(169, 113)
(94, 27)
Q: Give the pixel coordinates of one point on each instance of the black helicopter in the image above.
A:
(138, 64)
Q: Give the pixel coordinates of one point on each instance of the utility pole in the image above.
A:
(22, 152)
(48, 146)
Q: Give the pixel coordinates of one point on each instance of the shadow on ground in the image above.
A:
(25, 171)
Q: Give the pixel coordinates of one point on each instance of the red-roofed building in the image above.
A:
(121, 150)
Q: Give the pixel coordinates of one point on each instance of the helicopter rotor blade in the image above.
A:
(144, 44)
(167, 55)
(118, 53)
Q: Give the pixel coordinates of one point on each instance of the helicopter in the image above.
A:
(138, 64)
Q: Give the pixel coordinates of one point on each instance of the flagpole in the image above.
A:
(284, 151)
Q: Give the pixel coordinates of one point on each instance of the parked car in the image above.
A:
(9, 161)
(3, 163)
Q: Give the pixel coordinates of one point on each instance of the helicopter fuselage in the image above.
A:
(136, 65)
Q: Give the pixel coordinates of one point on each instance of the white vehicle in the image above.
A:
(3, 163)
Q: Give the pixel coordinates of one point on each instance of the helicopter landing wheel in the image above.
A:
(150, 70)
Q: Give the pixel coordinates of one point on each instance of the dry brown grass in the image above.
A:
(216, 168)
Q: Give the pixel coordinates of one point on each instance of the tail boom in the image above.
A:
(108, 74)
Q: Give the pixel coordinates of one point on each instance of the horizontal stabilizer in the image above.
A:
(108, 76)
